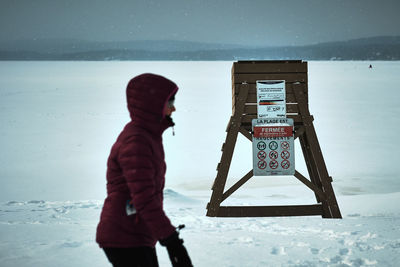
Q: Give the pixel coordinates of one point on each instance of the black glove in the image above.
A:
(176, 251)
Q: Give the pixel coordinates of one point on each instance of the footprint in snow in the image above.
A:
(344, 251)
(314, 251)
(354, 215)
(278, 251)
(71, 244)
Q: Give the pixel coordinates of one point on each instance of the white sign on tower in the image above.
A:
(271, 99)
(273, 147)
(273, 140)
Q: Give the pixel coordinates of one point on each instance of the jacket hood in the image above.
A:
(148, 94)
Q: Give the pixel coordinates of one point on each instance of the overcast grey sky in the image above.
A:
(257, 22)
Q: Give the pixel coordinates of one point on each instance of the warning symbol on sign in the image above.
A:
(273, 164)
(285, 154)
(261, 154)
(285, 145)
(261, 145)
(273, 154)
(285, 164)
(262, 164)
(273, 145)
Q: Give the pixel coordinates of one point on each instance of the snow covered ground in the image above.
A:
(61, 233)
(59, 119)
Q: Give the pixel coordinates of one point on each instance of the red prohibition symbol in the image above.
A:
(285, 154)
(262, 164)
(273, 154)
(273, 164)
(285, 145)
(285, 164)
(261, 154)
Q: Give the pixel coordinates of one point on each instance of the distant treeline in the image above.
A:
(378, 48)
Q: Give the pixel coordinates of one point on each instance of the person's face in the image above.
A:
(169, 108)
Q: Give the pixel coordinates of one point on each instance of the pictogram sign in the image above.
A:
(285, 164)
(285, 145)
(261, 145)
(273, 164)
(273, 155)
(262, 164)
(261, 154)
(285, 154)
(273, 144)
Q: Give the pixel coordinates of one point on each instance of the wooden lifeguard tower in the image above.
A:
(244, 110)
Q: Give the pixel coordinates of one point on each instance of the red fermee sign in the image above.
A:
(273, 131)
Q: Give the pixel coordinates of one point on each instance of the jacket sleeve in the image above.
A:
(135, 158)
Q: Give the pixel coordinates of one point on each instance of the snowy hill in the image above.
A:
(374, 48)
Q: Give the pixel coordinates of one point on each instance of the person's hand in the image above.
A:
(176, 251)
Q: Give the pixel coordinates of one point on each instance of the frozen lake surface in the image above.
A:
(59, 119)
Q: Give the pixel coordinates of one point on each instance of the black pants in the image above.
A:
(132, 257)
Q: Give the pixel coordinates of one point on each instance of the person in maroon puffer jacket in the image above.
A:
(133, 219)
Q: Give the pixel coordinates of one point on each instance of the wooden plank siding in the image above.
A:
(270, 67)
(246, 119)
(270, 211)
(252, 98)
(252, 78)
(294, 72)
(290, 87)
(252, 109)
(291, 102)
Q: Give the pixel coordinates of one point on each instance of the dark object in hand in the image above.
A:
(176, 251)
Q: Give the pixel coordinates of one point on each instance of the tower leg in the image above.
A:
(313, 151)
(227, 153)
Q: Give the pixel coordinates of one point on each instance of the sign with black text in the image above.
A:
(273, 147)
(271, 99)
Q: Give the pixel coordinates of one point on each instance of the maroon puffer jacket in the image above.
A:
(136, 169)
